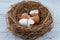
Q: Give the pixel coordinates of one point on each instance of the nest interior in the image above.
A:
(37, 30)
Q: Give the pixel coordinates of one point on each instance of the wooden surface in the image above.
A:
(53, 5)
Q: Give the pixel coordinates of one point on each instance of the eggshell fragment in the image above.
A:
(24, 15)
(34, 11)
(23, 22)
(36, 19)
(35, 16)
(30, 22)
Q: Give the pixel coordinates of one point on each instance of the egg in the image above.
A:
(24, 15)
(30, 22)
(23, 22)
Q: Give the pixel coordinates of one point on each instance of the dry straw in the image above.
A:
(37, 30)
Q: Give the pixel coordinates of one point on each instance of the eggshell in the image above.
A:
(30, 22)
(33, 15)
(23, 22)
(36, 19)
(33, 11)
(23, 16)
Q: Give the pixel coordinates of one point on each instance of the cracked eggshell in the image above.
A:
(30, 22)
(23, 16)
(23, 22)
(35, 16)
(34, 12)
(36, 19)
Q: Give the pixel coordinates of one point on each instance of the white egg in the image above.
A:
(30, 22)
(23, 22)
(33, 11)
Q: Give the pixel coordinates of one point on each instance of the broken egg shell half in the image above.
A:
(24, 15)
(30, 22)
(36, 18)
(34, 12)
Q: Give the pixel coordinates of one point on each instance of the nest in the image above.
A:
(37, 30)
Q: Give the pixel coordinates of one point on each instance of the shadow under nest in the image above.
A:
(37, 30)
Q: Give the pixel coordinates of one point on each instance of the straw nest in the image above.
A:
(37, 30)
